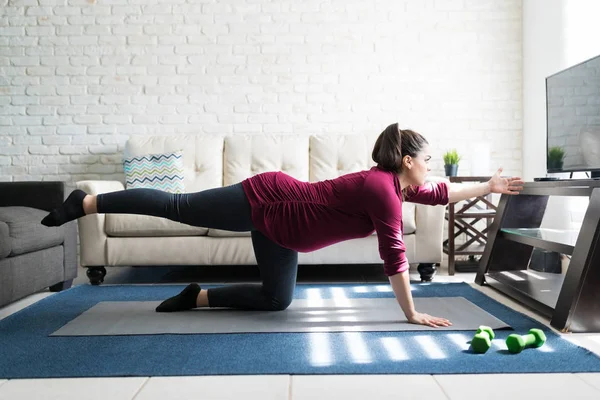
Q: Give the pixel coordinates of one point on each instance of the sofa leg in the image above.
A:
(61, 286)
(96, 275)
(427, 271)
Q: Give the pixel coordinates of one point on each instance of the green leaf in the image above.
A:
(452, 157)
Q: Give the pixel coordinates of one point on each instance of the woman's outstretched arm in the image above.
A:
(496, 184)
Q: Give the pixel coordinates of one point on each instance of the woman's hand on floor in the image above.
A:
(426, 319)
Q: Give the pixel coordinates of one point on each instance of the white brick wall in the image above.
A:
(77, 77)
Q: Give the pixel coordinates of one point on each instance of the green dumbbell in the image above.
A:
(516, 343)
(482, 341)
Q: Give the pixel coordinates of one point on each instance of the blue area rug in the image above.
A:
(27, 350)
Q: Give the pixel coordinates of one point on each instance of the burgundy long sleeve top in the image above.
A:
(306, 216)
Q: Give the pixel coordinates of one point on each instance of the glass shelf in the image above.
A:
(562, 241)
(542, 287)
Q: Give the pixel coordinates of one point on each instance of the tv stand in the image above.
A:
(568, 298)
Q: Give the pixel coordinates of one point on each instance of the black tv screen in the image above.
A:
(573, 118)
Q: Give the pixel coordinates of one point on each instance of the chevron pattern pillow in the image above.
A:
(155, 171)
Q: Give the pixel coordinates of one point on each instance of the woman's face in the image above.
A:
(418, 167)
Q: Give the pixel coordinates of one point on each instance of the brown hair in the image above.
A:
(393, 144)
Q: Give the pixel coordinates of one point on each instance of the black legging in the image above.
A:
(224, 208)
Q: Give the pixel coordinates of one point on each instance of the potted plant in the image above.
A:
(451, 159)
(556, 156)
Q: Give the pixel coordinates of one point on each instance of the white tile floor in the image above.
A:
(301, 387)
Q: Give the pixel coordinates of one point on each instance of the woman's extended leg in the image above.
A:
(224, 208)
(221, 208)
(278, 268)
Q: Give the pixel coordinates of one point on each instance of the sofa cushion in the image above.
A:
(335, 155)
(131, 225)
(202, 156)
(4, 240)
(163, 171)
(248, 155)
(221, 233)
(25, 232)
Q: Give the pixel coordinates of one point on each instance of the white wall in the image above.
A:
(77, 77)
(556, 34)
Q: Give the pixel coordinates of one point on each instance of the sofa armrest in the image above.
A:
(99, 187)
(92, 236)
(41, 195)
(429, 235)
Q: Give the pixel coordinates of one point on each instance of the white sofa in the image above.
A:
(213, 161)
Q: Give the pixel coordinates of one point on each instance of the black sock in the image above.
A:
(71, 209)
(186, 300)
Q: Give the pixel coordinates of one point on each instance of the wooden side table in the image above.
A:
(463, 220)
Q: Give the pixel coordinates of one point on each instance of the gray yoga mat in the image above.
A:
(327, 315)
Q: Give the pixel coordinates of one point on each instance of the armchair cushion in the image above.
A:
(4, 240)
(25, 232)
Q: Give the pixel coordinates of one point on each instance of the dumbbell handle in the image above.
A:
(520, 342)
(529, 339)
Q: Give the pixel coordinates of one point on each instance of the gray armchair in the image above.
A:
(34, 257)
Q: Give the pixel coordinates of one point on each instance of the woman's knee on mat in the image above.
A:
(279, 303)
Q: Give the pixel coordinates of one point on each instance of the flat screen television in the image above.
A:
(573, 119)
